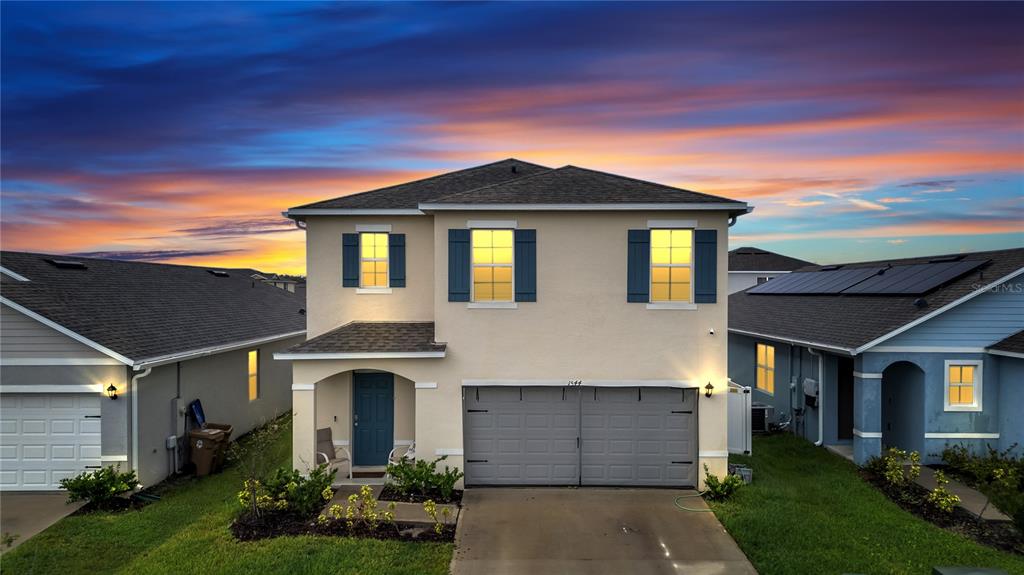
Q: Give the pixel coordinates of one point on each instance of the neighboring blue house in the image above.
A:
(915, 353)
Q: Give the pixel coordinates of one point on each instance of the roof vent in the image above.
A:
(515, 169)
(68, 264)
(829, 268)
(945, 259)
(920, 303)
(219, 273)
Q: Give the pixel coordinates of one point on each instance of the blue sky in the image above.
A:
(180, 131)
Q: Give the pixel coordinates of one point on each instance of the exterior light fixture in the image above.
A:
(112, 391)
(708, 389)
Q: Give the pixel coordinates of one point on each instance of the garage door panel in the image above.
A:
(47, 437)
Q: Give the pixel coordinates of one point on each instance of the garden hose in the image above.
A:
(685, 508)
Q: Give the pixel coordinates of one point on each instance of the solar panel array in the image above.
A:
(911, 279)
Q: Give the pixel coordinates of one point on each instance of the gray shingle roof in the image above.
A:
(147, 310)
(850, 321)
(374, 337)
(573, 185)
(757, 260)
(410, 194)
(1014, 343)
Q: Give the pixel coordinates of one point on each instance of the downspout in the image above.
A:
(821, 396)
(135, 418)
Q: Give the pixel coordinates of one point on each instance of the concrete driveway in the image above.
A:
(26, 513)
(590, 531)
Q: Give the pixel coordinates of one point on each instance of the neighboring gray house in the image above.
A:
(751, 266)
(160, 335)
(914, 353)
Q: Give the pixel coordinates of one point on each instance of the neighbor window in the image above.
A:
(373, 260)
(963, 385)
(671, 265)
(254, 375)
(766, 368)
(492, 265)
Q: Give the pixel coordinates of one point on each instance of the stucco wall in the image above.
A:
(221, 383)
(329, 305)
(739, 281)
(581, 326)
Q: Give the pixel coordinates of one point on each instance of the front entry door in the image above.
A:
(844, 415)
(373, 417)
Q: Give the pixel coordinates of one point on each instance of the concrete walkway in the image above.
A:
(970, 499)
(26, 513)
(593, 531)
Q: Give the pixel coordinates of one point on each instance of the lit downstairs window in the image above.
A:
(671, 265)
(492, 265)
(254, 375)
(373, 260)
(766, 368)
(963, 386)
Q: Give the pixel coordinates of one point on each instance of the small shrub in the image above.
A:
(997, 474)
(361, 514)
(99, 487)
(897, 467)
(287, 490)
(431, 510)
(940, 498)
(420, 477)
(717, 489)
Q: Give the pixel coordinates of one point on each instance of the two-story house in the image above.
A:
(538, 326)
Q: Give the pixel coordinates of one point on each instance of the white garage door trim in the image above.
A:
(46, 437)
(677, 383)
(81, 388)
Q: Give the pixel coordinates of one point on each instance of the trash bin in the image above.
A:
(205, 445)
(222, 443)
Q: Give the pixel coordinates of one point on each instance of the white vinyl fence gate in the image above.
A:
(739, 418)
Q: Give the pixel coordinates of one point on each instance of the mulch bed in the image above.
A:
(1001, 535)
(247, 528)
(390, 493)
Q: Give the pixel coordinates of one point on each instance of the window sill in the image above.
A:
(492, 305)
(975, 408)
(373, 290)
(672, 305)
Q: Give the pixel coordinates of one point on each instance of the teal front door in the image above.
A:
(373, 417)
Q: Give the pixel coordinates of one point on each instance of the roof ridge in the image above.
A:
(897, 261)
(632, 179)
(128, 262)
(520, 178)
(426, 179)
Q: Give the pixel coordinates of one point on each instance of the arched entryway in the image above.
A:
(903, 407)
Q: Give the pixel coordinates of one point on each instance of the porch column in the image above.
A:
(867, 416)
(304, 426)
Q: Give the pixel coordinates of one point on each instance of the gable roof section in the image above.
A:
(143, 312)
(570, 185)
(749, 259)
(1012, 346)
(364, 339)
(853, 323)
(410, 194)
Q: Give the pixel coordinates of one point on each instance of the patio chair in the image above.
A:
(401, 452)
(327, 452)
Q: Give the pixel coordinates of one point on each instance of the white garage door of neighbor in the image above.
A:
(47, 437)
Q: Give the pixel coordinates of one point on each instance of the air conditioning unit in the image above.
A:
(760, 416)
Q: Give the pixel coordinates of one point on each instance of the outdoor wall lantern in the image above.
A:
(112, 391)
(708, 389)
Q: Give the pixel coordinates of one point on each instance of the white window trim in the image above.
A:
(678, 305)
(758, 366)
(473, 304)
(979, 381)
(362, 259)
(378, 228)
(375, 290)
(492, 224)
(650, 275)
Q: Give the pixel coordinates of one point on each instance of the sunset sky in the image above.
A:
(179, 132)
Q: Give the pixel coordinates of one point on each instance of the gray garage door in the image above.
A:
(580, 436)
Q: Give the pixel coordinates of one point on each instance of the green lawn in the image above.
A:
(809, 512)
(187, 532)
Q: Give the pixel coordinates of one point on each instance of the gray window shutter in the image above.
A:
(350, 260)
(396, 260)
(526, 265)
(705, 260)
(458, 265)
(638, 277)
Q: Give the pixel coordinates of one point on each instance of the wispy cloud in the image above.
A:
(154, 255)
(867, 204)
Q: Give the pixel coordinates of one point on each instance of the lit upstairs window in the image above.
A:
(373, 260)
(492, 265)
(672, 265)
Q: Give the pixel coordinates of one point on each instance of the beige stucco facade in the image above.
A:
(580, 328)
